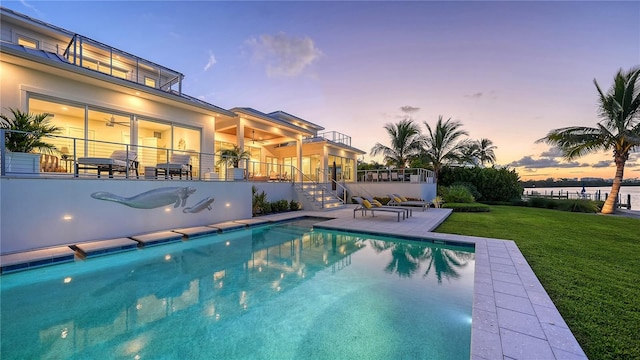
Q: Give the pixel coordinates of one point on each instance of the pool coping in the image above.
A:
(513, 317)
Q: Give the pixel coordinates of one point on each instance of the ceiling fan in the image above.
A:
(254, 140)
(111, 122)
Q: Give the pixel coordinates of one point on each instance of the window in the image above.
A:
(150, 82)
(27, 42)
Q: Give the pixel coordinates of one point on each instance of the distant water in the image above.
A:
(634, 191)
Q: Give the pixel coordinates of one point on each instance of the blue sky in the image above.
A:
(509, 71)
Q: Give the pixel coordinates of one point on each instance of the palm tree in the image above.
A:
(619, 129)
(28, 130)
(233, 156)
(443, 143)
(469, 153)
(485, 151)
(406, 143)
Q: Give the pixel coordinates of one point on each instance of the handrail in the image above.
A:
(334, 181)
(318, 185)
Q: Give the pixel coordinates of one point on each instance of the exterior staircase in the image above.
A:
(318, 196)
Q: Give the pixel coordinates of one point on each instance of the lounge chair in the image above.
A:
(120, 161)
(397, 200)
(364, 206)
(178, 165)
(378, 205)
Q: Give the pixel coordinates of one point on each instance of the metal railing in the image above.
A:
(74, 157)
(337, 188)
(415, 175)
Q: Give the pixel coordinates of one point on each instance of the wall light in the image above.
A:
(67, 217)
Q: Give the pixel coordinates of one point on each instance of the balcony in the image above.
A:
(94, 55)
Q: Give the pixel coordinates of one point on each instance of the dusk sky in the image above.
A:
(509, 71)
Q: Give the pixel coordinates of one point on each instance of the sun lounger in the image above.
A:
(378, 205)
(397, 200)
(119, 161)
(364, 206)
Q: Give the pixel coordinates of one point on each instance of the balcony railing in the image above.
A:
(76, 158)
(92, 54)
(336, 137)
(412, 175)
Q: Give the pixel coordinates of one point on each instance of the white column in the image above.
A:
(299, 157)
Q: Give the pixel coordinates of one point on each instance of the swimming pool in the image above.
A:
(280, 291)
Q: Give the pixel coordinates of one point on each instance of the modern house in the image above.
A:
(108, 102)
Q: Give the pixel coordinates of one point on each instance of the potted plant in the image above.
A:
(24, 142)
(231, 158)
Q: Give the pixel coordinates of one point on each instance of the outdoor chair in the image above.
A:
(120, 161)
(397, 200)
(364, 206)
(378, 205)
(178, 165)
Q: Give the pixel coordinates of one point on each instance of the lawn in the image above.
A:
(589, 264)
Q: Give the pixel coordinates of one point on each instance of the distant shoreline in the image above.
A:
(542, 184)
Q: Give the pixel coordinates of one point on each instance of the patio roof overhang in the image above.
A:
(261, 128)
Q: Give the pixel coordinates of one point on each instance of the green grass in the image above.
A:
(588, 263)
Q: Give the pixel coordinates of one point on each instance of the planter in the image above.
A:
(238, 174)
(22, 163)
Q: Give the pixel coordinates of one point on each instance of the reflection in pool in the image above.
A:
(281, 291)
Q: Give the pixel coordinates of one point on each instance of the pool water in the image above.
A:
(282, 291)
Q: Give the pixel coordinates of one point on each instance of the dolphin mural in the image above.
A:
(203, 204)
(151, 199)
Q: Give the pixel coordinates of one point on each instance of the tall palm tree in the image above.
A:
(406, 143)
(619, 129)
(485, 151)
(443, 143)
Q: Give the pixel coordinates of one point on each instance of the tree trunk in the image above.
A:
(609, 204)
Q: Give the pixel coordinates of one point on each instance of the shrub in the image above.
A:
(294, 205)
(492, 184)
(259, 201)
(458, 194)
(538, 202)
(266, 208)
(472, 188)
(573, 205)
(279, 206)
(467, 207)
(578, 205)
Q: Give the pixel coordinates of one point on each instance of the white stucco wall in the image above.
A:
(39, 213)
(424, 191)
(18, 82)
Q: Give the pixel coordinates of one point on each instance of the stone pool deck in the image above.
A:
(513, 317)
